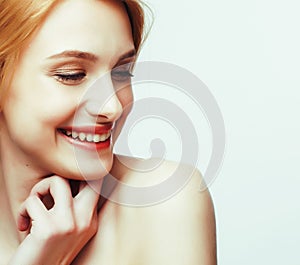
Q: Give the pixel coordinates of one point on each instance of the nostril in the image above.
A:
(94, 108)
(110, 109)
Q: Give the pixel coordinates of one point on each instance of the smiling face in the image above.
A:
(71, 90)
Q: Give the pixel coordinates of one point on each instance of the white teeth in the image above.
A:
(82, 136)
(89, 138)
(96, 138)
(74, 135)
(102, 137)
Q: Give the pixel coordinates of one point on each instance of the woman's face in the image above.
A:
(69, 80)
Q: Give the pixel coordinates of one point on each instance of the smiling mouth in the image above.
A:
(86, 137)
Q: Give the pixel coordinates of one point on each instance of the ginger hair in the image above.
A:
(20, 19)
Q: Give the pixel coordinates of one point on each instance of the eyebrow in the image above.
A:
(75, 54)
(88, 56)
(129, 54)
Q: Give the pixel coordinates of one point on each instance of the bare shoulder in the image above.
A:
(179, 226)
(171, 224)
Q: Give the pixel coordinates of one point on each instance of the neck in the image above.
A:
(8, 228)
(17, 177)
(17, 182)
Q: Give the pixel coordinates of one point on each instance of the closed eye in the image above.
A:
(122, 73)
(70, 79)
(121, 76)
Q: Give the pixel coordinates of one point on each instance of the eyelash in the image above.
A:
(77, 77)
(121, 76)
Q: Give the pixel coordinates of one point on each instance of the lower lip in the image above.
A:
(87, 145)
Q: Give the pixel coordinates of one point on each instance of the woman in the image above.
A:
(56, 144)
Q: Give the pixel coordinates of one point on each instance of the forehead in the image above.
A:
(95, 26)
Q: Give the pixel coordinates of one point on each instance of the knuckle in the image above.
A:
(67, 229)
(47, 234)
(62, 228)
(94, 226)
(89, 225)
(31, 199)
(83, 227)
(58, 180)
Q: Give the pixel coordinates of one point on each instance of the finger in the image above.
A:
(31, 209)
(89, 193)
(58, 188)
(23, 223)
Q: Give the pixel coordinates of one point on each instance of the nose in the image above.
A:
(101, 100)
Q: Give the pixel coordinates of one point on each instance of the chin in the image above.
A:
(85, 169)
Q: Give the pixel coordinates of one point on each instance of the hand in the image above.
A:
(57, 234)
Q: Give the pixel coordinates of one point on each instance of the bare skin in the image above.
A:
(179, 230)
(43, 219)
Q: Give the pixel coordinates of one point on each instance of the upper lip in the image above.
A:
(97, 129)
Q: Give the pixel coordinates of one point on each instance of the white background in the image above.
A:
(247, 53)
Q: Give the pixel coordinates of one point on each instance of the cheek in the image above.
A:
(38, 111)
(47, 100)
(126, 99)
(31, 120)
